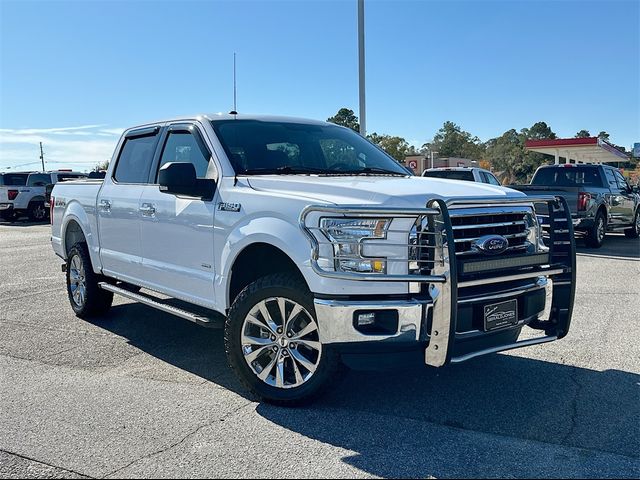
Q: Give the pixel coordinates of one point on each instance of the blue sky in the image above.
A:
(74, 74)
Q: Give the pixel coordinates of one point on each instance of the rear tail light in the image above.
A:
(13, 194)
(51, 203)
(583, 201)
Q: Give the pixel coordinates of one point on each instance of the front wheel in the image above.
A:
(273, 344)
(595, 236)
(634, 231)
(86, 297)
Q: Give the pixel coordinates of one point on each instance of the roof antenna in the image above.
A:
(235, 110)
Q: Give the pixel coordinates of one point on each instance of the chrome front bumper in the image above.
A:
(336, 320)
(336, 317)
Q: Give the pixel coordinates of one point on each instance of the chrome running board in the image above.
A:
(154, 303)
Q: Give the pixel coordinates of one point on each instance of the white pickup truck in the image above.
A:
(314, 247)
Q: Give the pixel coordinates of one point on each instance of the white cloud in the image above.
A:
(80, 148)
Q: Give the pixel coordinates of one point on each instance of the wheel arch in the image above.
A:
(254, 261)
(76, 226)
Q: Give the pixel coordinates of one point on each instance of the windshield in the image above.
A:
(568, 176)
(257, 147)
(13, 179)
(451, 174)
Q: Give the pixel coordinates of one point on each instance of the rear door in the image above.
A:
(118, 205)
(177, 230)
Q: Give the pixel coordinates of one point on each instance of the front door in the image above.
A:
(118, 203)
(176, 230)
(627, 200)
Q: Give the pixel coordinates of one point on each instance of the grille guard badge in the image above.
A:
(490, 244)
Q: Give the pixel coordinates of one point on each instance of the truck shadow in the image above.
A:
(615, 245)
(392, 420)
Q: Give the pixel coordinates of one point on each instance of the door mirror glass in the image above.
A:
(179, 178)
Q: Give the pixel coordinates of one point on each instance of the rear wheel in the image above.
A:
(273, 345)
(595, 236)
(37, 212)
(634, 231)
(86, 297)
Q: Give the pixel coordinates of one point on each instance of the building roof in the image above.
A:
(587, 150)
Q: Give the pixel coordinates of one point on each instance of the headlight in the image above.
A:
(347, 235)
(534, 235)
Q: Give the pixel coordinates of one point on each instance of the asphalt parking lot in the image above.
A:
(142, 393)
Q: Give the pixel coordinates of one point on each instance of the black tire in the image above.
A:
(634, 231)
(292, 289)
(95, 301)
(9, 216)
(37, 212)
(595, 235)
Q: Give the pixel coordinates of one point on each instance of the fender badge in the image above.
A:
(229, 207)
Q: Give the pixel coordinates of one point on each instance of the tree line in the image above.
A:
(505, 155)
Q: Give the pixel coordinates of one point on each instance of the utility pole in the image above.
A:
(363, 109)
(42, 156)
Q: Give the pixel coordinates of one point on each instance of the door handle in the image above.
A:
(147, 210)
(105, 205)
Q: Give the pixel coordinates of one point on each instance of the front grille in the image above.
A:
(467, 228)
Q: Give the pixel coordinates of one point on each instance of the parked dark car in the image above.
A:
(599, 196)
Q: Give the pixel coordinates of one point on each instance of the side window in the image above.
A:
(491, 179)
(622, 182)
(184, 147)
(135, 159)
(611, 179)
(39, 180)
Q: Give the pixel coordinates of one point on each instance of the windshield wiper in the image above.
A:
(371, 171)
(284, 170)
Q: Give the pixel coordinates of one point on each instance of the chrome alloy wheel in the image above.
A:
(280, 342)
(600, 229)
(77, 281)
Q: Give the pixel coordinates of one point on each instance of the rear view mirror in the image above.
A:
(179, 178)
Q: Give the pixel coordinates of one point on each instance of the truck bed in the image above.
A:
(570, 194)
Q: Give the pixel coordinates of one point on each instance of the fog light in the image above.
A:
(376, 322)
(366, 319)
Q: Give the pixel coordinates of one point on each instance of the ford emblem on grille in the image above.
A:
(490, 244)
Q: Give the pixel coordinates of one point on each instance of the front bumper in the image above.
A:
(444, 320)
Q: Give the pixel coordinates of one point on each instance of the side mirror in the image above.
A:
(179, 178)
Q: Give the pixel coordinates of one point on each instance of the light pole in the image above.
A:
(431, 152)
(362, 111)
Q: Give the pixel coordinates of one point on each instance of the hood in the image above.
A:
(375, 190)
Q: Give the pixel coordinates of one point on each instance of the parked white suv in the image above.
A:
(30, 199)
(470, 174)
(313, 247)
